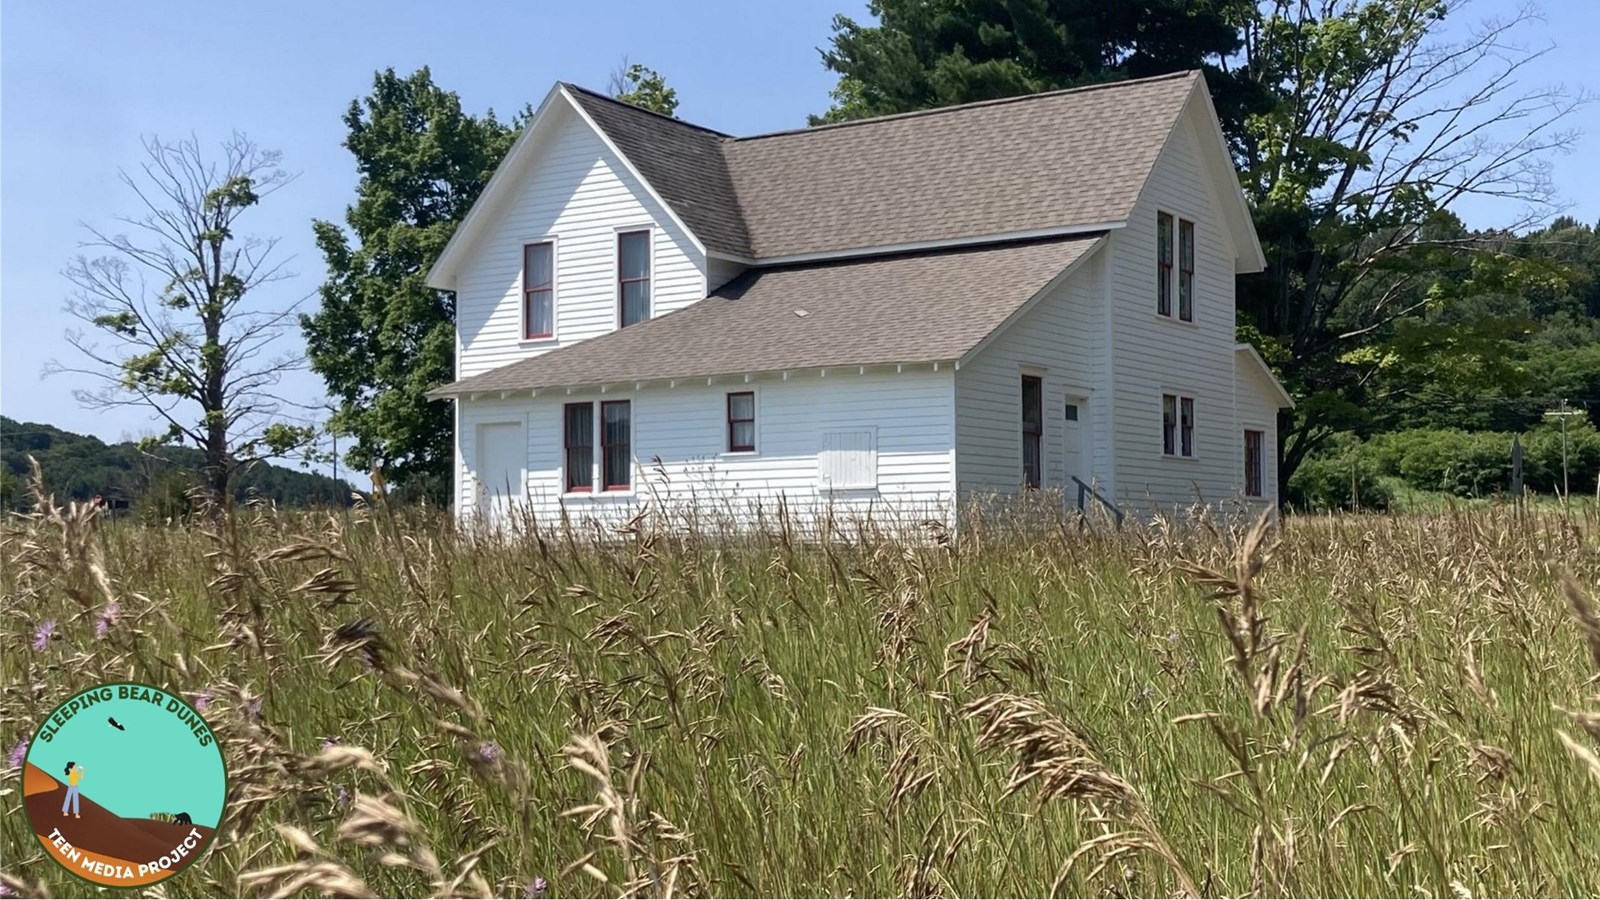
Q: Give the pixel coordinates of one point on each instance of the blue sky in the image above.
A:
(80, 83)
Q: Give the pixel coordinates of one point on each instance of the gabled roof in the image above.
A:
(1246, 355)
(1072, 157)
(1062, 162)
(684, 163)
(910, 308)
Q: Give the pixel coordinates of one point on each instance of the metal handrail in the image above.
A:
(1085, 492)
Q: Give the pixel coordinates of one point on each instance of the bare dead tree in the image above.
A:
(1385, 128)
(173, 322)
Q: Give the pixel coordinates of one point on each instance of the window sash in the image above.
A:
(1164, 264)
(1254, 463)
(1169, 424)
(741, 422)
(633, 277)
(616, 445)
(1186, 422)
(1032, 430)
(1185, 270)
(578, 439)
(538, 290)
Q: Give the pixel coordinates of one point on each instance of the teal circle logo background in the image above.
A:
(144, 792)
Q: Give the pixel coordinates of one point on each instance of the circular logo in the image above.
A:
(124, 784)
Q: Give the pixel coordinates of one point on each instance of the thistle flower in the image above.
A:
(107, 618)
(535, 888)
(18, 754)
(489, 751)
(201, 701)
(41, 638)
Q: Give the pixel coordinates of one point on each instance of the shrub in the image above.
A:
(1345, 479)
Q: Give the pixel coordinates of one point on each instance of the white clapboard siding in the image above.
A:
(1062, 339)
(1257, 410)
(800, 422)
(573, 188)
(1153, 355)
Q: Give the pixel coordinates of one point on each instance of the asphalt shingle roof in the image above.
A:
(1072, 157)
(910, 308)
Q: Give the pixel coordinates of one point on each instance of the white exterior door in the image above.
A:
(1074, 434)
(502, 468)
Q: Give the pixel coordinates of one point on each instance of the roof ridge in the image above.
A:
(998, 101)
(636, 108)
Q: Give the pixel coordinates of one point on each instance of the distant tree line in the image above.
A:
(153, 482)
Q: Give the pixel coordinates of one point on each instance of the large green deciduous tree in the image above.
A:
(928, 53)
(382, 337)
(644, 87)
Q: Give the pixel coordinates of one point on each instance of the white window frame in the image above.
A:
(1174, 276)
(555, 292)
(1177, 436)
(597, 489)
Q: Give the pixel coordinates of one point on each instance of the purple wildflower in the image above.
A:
(107, 618)
(252, 708)
(489, 751)
(535, 888)
(18, 754)
(329, 743)
(6, 891)
(201, 701)
(342, 799)
(41, 638)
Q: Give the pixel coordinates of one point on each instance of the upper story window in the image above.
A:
(1186, 270)
(1255, 463)
(742, 422)
(1164, 264)
(1168, 242)
(539, 290)
(1177, 425)
(633, 277)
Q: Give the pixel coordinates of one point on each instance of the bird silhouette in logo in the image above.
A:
(115, 724)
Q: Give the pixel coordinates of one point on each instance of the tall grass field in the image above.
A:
(1349, 706)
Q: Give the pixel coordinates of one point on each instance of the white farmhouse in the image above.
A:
(890, 315)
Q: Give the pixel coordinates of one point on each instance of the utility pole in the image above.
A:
(1562, 412)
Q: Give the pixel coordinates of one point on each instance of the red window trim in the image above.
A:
(528, 291)
(567, 445)
(741, 448)
(649, 270)
(1186, 269)
(601, 423)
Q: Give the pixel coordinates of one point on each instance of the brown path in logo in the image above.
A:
(101, 834)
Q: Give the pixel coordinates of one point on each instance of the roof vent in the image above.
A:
(801, 313)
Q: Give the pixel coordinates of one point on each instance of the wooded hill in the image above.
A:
(148, 481)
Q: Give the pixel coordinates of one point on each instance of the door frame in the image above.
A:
(478, 425)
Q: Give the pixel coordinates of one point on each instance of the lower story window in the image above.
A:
(616, 446)
(742, 422)
(1032, 430)
(1255, 463)
(1177, 425)
(579, 441)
